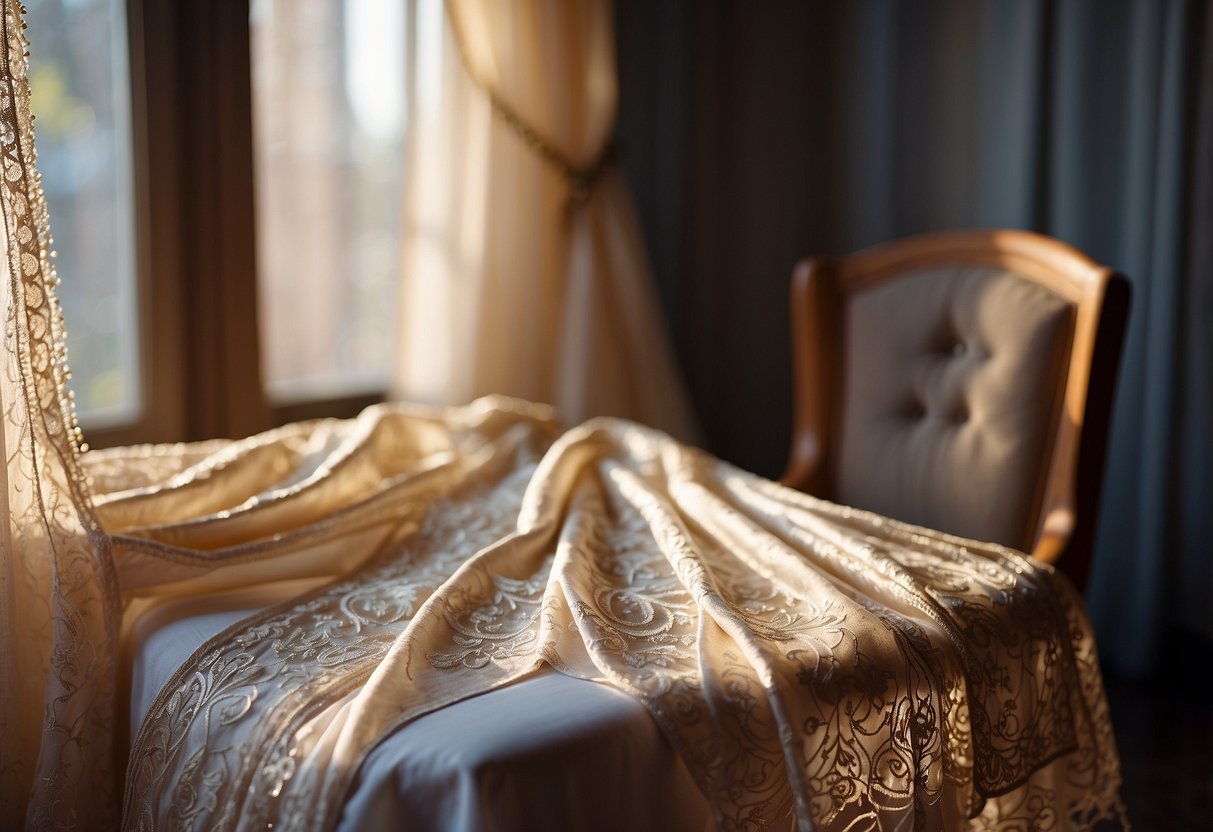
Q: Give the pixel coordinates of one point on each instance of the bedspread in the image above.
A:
(803, 658)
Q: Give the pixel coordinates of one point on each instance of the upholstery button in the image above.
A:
(962, 415)
(959, 349)
(916, 410)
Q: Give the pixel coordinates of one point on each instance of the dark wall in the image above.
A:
(758, 133)
(718, 129)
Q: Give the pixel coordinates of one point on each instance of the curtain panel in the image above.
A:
(57, 587)
(524, 270)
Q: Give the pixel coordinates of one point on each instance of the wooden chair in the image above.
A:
(962, 381)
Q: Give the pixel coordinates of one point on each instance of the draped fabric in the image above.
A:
(779, 130)
(58, 598)
(523, 269)
(803, 658)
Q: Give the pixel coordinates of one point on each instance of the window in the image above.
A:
(329, 81)
(80, 86)
(225, 187)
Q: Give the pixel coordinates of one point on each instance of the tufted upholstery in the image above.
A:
(960, 380)
(949, 390)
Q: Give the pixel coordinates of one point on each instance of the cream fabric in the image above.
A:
(806, 660)
(516, 280)
(951, 383)
(550, 752)
(58, 599)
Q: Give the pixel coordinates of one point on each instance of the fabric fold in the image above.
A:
(812, 664)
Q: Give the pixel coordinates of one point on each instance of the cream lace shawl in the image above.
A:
(802, 657)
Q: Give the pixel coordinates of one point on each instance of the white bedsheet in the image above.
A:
(550, 752)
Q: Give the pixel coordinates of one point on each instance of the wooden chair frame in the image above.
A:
(1067, 499)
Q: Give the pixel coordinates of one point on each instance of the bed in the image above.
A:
(549, 752)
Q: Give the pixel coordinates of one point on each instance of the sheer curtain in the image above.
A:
(524, 271)
(58, 598)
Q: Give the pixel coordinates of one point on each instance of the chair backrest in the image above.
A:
(961, 381)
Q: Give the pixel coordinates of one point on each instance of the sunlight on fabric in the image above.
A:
(432, 369)
(330, 116)
(80, 82)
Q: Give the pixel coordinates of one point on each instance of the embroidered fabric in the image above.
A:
(804, 658)
(58, 596)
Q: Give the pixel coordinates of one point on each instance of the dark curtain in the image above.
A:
(757, 133)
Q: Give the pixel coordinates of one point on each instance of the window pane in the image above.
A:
(80, 86)
(329, 118)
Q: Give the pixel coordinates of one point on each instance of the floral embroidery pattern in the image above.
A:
(805, 659)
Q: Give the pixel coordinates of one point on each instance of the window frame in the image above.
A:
(195, 232)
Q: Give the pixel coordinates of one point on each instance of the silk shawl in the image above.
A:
(804, 658)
